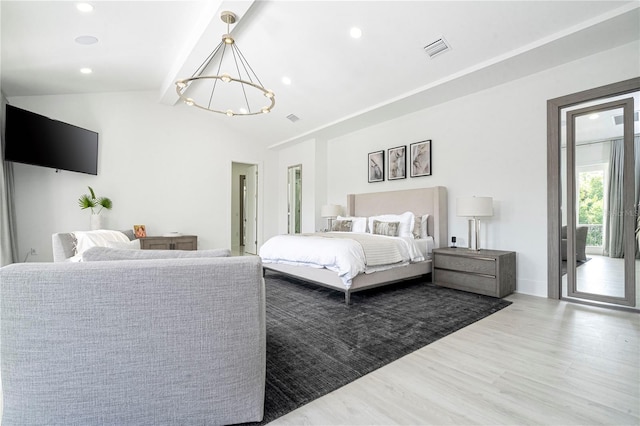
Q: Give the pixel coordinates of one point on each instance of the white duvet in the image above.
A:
(344, 256)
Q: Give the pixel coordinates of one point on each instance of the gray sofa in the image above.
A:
(581, 243)
(133, 342)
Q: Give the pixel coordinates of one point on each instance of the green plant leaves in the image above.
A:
(91, 201)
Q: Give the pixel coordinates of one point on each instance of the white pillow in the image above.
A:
(101, 237)
(358, 224)
(406, 219)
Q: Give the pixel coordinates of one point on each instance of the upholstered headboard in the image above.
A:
(432, 201)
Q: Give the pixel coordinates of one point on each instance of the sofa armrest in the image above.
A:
(130, 342)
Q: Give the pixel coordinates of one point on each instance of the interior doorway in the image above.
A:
(593, 160)
(244, 209)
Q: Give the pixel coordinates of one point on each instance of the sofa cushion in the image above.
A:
(107, 253)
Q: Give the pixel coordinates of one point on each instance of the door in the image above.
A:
(599, 200)
(251, 213)
(243, 213)
(294, 199)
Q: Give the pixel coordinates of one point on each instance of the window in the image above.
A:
(591, 202)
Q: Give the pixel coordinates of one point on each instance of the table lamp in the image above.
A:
(474, 208)
(330, 211)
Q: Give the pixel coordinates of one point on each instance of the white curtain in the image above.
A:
(614, 242)
(8, 240)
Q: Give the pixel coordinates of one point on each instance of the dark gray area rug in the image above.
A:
(316, 343)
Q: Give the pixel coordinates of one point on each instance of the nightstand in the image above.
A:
(488, 272)
(182, 242)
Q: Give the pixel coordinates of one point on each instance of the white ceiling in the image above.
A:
(337, 82)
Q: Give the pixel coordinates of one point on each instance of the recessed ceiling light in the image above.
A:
(286, 80)
(355, 32)
(594, 116)
(84, 7)
(86, 70)
(86, 39)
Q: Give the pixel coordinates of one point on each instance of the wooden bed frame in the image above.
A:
(432, 201)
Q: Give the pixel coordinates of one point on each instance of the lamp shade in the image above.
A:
(474, 206)
(330, 210)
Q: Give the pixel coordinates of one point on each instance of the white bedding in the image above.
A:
(344, 256)
(425, 245)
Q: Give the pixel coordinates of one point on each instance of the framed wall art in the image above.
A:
(420, 158)
(397, 158)
(376, 166)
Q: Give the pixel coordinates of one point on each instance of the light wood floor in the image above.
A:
(603, 275)
(538, 361)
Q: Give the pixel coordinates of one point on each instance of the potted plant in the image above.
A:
(90, 201)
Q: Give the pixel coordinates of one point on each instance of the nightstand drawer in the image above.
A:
(476, 265)
(467, 282)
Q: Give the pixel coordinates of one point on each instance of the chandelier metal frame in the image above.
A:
(249, 81)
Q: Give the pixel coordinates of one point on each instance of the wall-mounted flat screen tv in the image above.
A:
(34, 139)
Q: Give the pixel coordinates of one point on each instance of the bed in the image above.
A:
(423, 201)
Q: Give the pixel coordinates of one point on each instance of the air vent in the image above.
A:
(293, 118)
(437, 47)
(618, 119)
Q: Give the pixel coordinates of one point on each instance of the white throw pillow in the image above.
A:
(101, 237)
(358, 224)
(406, 220)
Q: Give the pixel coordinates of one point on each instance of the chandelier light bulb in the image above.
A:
(266, 110)
(226, 78)
(189, 101)
(84, 7)
(230, 113)
(181, 84)
(269, 94)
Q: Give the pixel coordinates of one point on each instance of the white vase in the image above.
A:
(96, 222)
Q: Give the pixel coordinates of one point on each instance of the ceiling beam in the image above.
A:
(202, 40)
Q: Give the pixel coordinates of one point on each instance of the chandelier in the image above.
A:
(242, 93)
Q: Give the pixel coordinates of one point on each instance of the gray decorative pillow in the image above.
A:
(342, 225)
(389, 229)
(417, 229)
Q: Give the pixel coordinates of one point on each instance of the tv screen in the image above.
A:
(34, 139)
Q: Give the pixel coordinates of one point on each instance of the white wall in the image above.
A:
(491, 143)
(166, 167)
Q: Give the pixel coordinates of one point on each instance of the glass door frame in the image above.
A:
(629, 203)
(554, 190)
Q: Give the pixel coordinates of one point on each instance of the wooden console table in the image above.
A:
(488, 272)
(181, 242)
